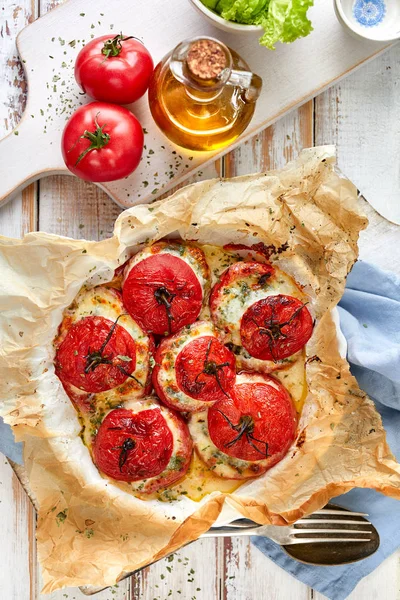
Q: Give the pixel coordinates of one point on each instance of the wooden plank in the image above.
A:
(343, 116)
(20, 216)
(16, 513)
(16, 517)
(292, 75)
(366, 108)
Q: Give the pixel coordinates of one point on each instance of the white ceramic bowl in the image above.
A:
(377, 20)
(221, 23)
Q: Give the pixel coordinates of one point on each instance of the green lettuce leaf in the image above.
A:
(210, 3)
(285, 21)
(241, 11)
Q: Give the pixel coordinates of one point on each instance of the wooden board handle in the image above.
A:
(23, 161)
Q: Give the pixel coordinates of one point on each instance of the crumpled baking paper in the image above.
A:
(89, 531)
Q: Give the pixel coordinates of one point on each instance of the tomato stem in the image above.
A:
(210, 367)
(113, 46)
(98, 139)
(165, 297)
(245, 427)
(273, 328)
(97, 357)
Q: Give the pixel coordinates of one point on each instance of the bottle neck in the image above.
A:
(204, 66)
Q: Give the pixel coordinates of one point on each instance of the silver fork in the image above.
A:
(300, 532)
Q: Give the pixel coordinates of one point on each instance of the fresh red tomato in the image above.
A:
(102, 142)
(276, 327)
(257, 421)
(96, 355)
(162, 293)
(114, 69)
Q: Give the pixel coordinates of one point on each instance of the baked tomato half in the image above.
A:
(248, 288)
(193, 368)
(145, 444)
(164, 286)
(101, 350)
(114, 69)
(276, 327)
(247, 433)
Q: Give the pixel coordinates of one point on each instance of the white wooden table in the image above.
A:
(207, 570)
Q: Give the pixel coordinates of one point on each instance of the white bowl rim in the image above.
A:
(348, 23)
(234, 26)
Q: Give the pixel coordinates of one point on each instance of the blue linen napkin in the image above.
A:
(370, 321)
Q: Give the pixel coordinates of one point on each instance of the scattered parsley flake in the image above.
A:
(61, 516)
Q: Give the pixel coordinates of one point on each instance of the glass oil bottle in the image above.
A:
(202, 95)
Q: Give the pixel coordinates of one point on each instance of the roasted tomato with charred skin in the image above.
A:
(258, 306)
(145, 443)
(248, 433)
(163, 288)
(101, 350)
(276, 327)
(193, 368)
(96, 355)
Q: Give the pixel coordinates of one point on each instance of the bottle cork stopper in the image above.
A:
(206, 59)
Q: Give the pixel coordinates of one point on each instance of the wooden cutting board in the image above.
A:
(48, 47)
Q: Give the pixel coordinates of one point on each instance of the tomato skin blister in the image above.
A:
(193, 368)
(163, 287)
(248, 433)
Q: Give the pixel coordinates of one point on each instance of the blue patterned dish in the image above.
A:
(377, 20)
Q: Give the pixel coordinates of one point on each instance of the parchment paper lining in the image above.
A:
(91, 532)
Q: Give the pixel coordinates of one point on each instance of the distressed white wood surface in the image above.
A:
(49, 47)
(223, 570)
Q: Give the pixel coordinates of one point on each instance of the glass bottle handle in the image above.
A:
(249, 82)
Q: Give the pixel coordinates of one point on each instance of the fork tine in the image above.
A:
(332, 521)
(344, 531)
(330, 540)
(328, 511)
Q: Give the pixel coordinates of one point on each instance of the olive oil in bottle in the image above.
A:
(202, 95)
